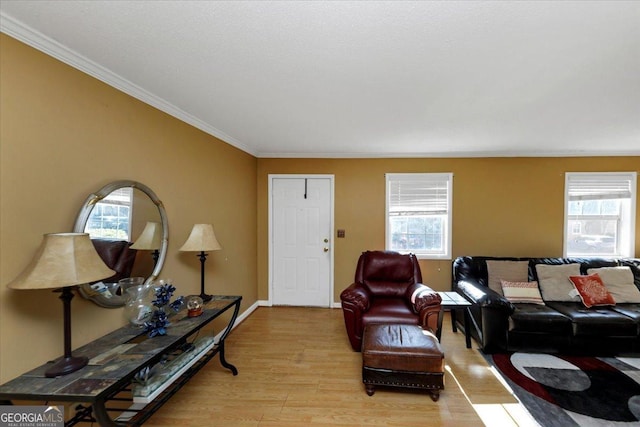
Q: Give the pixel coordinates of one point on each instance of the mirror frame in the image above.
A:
(116, 301)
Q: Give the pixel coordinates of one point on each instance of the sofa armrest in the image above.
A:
(484, 296)
(490, 313)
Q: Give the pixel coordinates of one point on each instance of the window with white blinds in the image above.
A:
(418, 213)
(600, 214)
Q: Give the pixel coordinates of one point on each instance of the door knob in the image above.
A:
(326, 249)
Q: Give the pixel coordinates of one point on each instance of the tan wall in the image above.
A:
(501, 207)
(64, 135)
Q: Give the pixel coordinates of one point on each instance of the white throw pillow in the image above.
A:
(511, 271)
(619, 282)
(555, 284)
(522, 292)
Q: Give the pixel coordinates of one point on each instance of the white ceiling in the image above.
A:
(365, 79)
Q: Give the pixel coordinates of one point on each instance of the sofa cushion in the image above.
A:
(596, 321)
(554, 281)
(522, 292)
(619, 282)
(390, 310)
(591, 290)
(512, 271)
(535, 318)
(629, 310)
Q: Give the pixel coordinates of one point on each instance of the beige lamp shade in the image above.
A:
(202, 238)
(150, 238)
(62, 260)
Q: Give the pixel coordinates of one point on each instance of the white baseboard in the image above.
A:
(267, 303)
(245, 314)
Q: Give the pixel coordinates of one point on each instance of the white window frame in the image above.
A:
(608, 183)
(119, 197)
(428, 178)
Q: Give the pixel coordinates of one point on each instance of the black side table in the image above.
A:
(452, 301)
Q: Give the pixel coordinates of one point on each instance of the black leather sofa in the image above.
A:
(555, 327)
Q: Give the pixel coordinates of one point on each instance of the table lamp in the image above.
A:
(63, 260)
(201, 239)
(150, 240)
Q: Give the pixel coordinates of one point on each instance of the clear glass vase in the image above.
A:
(139, 307)
(129, 282)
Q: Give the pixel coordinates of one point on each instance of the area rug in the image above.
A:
(564, 391)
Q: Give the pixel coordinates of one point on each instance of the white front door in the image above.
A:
(301, 240)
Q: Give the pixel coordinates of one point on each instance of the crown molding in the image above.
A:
(461, 154)
(39, 41)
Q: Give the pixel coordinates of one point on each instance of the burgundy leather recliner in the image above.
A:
(388, 288)
(117, 255)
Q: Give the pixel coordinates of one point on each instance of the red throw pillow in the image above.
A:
(592, 291)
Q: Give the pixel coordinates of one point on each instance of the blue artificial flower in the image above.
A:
(159, 320)
(158, 324)
(163, 294)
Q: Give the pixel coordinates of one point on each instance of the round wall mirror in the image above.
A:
(128, 226)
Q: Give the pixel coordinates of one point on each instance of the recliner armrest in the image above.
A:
(421, 296)
(425, 302)
(356, 295)
(355, 301)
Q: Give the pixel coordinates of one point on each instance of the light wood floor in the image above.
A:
(296, 368)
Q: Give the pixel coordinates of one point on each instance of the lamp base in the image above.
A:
(205, 297)
(66, 366)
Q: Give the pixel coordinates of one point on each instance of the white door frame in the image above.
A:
(331, 178)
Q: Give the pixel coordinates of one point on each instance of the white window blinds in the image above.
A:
(600, 186)
(600, 216)
(427, 193)
(418, 214)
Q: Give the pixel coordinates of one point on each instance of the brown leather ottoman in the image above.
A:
(402, 356)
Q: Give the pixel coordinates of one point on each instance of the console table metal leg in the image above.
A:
(224, 362)
(232, 321)
(102, 416)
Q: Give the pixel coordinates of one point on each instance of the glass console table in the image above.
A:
(119, 360)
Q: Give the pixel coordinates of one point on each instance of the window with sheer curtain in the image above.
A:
(600, 214)
(418, 213)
